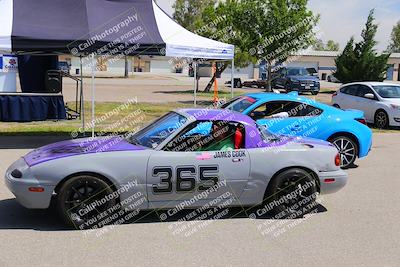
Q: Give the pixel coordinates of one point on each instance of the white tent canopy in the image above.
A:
(183, 43)
(47, 26)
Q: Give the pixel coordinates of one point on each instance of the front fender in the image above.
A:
(120, 168)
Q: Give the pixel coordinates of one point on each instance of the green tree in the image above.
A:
(318, 45)
(261, 30)
(188, 13)
(330, 45)
(222, 23)
(394, 46)
(278, 29)
(360, 61)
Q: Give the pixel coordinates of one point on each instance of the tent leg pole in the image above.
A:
(195, 82)
(232, 76)
(93, 95)
(82, 104)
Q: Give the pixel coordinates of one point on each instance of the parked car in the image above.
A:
(296, 79)
(256, 83)
(177, 161)
(379, 101)
(332, 79)
(289, 114)
(64, 66)
(237, 82)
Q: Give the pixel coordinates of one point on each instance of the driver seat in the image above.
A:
(239, 137)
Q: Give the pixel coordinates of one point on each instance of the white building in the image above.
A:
(322, 61)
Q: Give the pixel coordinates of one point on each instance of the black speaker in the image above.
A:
(53, 81)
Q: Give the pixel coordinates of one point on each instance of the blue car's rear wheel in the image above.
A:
(82, 199)
(347, 149)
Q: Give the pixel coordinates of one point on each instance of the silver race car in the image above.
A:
(185, 159)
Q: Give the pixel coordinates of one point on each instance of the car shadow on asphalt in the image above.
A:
(352, 166)
(15, 217)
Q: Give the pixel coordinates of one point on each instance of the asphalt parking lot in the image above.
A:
(358, 226)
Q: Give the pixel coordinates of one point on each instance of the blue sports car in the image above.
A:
(290, 114)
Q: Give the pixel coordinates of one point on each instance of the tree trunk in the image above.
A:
(126, 67)
(218, 71)
(269, 78)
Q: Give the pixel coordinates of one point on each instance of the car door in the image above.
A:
(184, 173)
(301, 120)
(365, 104)
(348, 97)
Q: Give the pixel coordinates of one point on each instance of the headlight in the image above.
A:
(18, 169)
(16, 174)
(397, 107)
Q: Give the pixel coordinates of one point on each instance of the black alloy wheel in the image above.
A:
(82, 198)
(292, 193)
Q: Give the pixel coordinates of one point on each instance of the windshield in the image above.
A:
(239, 104)
(266, 135)
(388, 91)
(298, 72)
(154, 134)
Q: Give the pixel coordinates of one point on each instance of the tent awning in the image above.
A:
(181, 42)
(130, 27)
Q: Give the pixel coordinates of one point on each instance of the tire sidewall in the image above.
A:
(62, 195)
(272, 191)
(386, 116)
(354, 145)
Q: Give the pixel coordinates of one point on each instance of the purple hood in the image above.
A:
(78, 147)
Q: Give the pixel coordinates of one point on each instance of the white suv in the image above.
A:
(379, 101)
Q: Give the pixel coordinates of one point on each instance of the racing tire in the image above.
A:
(292, 194)
(347, 148)
(381, 119)
(77, 197)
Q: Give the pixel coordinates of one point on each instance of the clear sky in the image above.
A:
(341, 19)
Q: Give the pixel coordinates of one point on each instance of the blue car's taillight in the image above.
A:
(362, 120)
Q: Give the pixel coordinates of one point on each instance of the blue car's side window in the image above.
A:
(284, 109)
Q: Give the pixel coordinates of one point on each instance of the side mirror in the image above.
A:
(256, 115)
(369, 96)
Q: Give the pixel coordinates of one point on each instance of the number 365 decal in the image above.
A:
(186, 177)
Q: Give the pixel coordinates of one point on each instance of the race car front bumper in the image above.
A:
(28, 191)
(333, 181)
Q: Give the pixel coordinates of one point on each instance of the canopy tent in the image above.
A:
(100, 27)
(58, 26)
